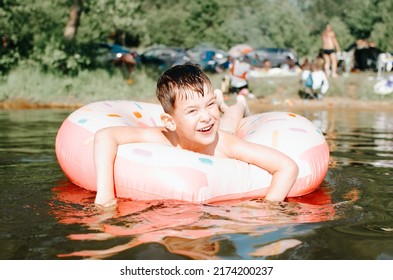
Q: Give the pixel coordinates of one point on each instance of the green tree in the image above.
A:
(62, 35)
(165, 23)
(29, 26)
(203, 22)
(74, 19)
(382, 33)
(361, 17)
(102, 18)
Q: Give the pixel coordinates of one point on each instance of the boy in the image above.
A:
(191, 120)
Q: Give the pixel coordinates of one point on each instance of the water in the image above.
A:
(43, 216)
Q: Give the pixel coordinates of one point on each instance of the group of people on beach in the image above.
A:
(314, 74)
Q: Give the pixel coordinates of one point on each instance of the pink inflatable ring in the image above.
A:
(147, 171)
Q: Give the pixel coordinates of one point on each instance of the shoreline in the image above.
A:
(328, 103)
(259, 104)
(275, 93)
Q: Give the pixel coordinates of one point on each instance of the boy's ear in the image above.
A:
(168, 121)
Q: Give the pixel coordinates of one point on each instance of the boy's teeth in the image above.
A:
(205, 129)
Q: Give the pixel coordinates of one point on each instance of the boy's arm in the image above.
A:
(106, 142)
(283, 169)
(105, 148)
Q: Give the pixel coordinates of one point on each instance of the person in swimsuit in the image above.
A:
(330, 46)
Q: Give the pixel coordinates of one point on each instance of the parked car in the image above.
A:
(277, 56)
(164, 57)
(118, 56)
(114, 53)
(211, 59)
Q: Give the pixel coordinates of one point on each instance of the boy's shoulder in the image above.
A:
(157, 134)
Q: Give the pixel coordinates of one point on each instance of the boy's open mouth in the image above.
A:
(206, 129)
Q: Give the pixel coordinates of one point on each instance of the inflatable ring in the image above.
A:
(149, 171)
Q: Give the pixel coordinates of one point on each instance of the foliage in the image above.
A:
(34, 29)
(382, 32)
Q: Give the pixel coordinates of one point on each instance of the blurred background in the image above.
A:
(56, 42)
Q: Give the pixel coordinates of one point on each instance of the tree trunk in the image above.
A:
(73, 20)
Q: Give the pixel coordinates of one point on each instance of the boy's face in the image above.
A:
(197, 119)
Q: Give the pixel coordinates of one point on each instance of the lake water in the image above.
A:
(43, 216)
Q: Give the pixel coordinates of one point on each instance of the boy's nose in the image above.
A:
(205, 115)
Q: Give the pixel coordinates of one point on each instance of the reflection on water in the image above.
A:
(349, 217)
(184, 228)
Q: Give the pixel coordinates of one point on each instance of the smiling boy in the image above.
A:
(192, 121)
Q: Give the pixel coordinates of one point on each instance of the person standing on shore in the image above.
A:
(330, 46)
(239, 75)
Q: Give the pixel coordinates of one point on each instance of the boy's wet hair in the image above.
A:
(181, 81)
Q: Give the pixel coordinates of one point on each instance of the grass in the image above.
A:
(32, 86)
(27, 85)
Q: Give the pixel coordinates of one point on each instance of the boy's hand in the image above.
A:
(109, 204)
